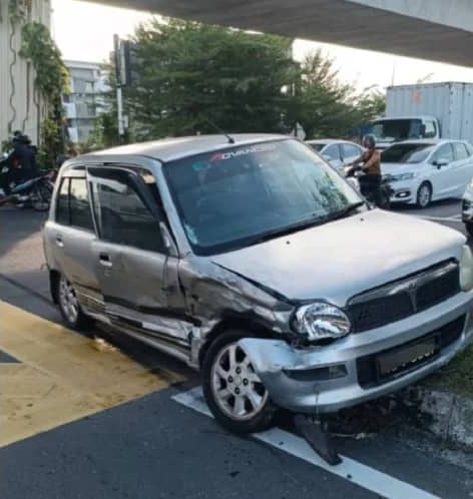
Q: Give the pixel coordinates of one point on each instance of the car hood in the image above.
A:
(398, 168)
(343, 258)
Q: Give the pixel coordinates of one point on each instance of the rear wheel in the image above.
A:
(69, 306)
(233, 390)
(424, 195)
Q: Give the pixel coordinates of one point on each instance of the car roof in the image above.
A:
(331, 141)
(176, 148)
(432, 142)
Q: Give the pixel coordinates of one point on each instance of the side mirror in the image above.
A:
(327, 157)
(439, 163)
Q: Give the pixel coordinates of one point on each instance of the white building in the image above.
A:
(20, 106)
(85, 102)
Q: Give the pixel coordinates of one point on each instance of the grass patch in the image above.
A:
(456, 376)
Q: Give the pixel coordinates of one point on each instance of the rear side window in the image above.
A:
(73, 206)
(461, 152)
(122, 214)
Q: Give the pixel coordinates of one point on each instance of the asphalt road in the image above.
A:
(143, 443)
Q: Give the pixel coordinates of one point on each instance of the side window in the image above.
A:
(350, 151)
(62, 206)
(332, 152)
(445, 152)
(79, 206)
(461, 152)
(122, 215)
(430, 130)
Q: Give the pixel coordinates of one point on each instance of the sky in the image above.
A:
(84, 31)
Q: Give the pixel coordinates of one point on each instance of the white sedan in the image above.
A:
(421, 171)
(336, 152)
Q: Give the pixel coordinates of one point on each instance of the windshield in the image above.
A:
(243, 195)
(406, 153)
(395, 130)
(317, 146)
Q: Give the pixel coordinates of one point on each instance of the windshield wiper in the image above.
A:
(345, 211)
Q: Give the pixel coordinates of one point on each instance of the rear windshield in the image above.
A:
(407, 153)
(317, 147)
(241, 195)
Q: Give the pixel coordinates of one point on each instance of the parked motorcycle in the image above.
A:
(36, 192)
(381, 198)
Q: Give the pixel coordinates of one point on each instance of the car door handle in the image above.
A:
(105, 260)
(59, 241)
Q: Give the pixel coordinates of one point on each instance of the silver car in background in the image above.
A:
(337, 153)
(250, 259)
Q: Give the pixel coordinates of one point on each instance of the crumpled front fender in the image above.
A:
(270, 359)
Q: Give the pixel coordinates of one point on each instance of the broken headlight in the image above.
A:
(466, 269)
(322, 320)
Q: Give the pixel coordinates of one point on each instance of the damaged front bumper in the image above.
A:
(328, 378)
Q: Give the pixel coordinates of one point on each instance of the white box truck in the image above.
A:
(426, 110)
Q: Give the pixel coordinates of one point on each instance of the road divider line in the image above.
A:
(350, 470)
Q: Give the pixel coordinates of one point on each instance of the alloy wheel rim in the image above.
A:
(237, 389)
(424, 196)
(68, 301)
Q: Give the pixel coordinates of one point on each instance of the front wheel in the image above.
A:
(233, 390)
(424, 195)
(40, 197)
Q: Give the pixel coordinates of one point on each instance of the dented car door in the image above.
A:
(138, 277)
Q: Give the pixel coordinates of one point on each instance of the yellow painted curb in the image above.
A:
(62, 376)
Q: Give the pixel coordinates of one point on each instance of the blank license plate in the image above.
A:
(406, 357)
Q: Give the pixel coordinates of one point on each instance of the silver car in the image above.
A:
(251, 259)
(337, 152)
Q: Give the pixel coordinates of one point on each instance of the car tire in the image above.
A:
(69, 307)
(469, 228)
(424, 195)
(231, 386)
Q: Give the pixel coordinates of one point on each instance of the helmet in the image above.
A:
(369, 141)
(24, 139)
(17, 135)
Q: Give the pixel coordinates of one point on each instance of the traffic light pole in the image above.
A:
(121, 123)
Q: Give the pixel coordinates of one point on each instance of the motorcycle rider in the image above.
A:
(21, 162)
(370, 162)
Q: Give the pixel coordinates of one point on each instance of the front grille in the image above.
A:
(401, 299)
(436, 291)
(368, 368)
(381, 311)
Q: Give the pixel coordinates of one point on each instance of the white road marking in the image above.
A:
(351, 470)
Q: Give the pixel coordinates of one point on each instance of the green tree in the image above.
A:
(322, 104)
(192, 74)
(370, 105)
